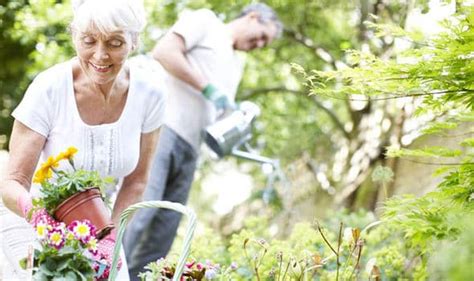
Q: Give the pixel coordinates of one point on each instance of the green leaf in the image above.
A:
(468, 142)
(382, 174)
(39, 275)
(46, 269)
(433, 151)
(63, 264)
(439, 127)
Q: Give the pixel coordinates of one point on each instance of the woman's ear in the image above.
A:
(134, 41)
(74, 38)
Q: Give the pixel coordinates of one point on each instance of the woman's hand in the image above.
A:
(25, 205)
(105, 250)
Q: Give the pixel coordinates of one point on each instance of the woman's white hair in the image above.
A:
(109, 15)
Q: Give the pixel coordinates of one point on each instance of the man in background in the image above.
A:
(203, 74)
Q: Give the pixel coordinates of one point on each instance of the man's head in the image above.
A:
(256, 26)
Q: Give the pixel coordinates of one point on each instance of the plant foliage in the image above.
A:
(65, 183)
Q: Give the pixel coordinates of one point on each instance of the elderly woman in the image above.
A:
(97, 102)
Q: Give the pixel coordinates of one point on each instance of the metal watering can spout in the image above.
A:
(229, 133)
(230, 136)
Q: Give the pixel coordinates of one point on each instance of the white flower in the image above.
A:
(370, 265)
(347, 237)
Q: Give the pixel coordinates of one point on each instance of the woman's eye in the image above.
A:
(115, 43)
(88, 40)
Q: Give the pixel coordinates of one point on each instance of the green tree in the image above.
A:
(437, 74)
(33, 37)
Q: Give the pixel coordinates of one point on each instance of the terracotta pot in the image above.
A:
(86, 205)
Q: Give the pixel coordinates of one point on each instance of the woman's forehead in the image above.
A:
(97, 33)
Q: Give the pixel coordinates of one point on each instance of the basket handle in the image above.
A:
(156, 204)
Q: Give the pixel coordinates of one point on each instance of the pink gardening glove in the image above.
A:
(25, 204)
(105, 251)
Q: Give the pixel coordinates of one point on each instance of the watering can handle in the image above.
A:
(156, 204)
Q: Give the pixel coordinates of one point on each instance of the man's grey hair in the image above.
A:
(267, 14)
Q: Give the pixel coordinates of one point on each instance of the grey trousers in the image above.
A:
(151, 232)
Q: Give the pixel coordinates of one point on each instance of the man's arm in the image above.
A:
(170, 51)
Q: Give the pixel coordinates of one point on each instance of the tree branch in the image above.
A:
(459, 91)
(437, 164)
(333, 117)
(309, 43)
(354, 185)
(339, 125)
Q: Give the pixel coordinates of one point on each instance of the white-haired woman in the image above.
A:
(108, 109)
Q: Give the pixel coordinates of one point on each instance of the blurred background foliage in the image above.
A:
(327, 147)
(328, 126)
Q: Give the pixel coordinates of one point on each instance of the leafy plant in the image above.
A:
(65, 252)
(437, 73)
(65, 183)
(164, 270)
(311, 252)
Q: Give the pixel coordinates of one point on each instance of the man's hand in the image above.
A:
(218, 98)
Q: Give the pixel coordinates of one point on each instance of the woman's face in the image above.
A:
(102, 55)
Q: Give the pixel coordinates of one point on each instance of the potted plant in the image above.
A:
(164, 269)
(64, 252)
(72, 195)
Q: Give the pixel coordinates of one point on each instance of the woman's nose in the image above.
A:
(101, 52)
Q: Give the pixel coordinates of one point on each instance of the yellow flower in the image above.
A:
(50, 163)
(92, 244)
(82, 230)
(42, 175)
(70, 236)
(68, 154)
(42, 230)
(44, 172)
(39, 176)
(56, 238)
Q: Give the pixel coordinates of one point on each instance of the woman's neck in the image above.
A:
(114, 87)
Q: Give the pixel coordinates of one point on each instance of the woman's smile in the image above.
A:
(101, 67)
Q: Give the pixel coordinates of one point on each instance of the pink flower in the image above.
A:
(56, 237)
(190, 264)
(82, 230)
(42, 230)
(234, 265)
(92, 246)
(211, 273)
(199, 266)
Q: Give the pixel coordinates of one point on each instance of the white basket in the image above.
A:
(157, 204)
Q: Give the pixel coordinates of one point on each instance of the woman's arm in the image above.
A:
(25, 149)
(134, 184)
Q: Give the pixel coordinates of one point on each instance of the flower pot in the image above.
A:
(86, 205)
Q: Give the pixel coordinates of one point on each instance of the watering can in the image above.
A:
(233, 130)
(230, 134)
